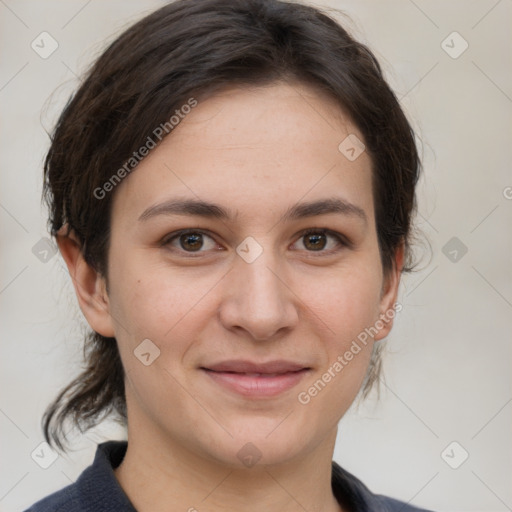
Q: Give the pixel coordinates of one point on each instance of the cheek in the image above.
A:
(149, 304)
(347, 304)
(168, 306)
(347, 301)
(153, 307)
(347, 307)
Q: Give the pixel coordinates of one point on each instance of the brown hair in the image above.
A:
(193, 48)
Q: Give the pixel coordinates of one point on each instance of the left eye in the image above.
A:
(320, 241)
(191, 241)
(312, 240)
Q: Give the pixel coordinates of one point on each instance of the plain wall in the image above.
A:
(448, 358)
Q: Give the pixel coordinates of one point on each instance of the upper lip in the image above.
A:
(244, 366)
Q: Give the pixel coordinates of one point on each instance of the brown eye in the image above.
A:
(315, 241)
(191, 241)
(320, 240)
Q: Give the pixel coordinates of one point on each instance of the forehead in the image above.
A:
(253, 148)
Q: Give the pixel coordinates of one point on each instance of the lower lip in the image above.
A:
(257, 386)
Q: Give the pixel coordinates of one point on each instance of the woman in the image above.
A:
(231, 189)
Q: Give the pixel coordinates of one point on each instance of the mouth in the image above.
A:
(256, 380)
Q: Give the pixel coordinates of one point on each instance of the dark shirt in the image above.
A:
(97, 489)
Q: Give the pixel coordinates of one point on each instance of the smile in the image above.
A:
(256, 380)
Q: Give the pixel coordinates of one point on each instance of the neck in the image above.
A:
(157, 472)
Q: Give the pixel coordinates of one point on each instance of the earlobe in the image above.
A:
(89, 284)
(389, 294)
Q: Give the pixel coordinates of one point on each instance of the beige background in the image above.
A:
(449, 356)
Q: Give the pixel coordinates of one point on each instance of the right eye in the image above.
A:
(190, 241)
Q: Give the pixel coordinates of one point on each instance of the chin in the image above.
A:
(265, 442)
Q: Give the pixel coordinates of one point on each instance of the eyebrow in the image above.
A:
(211, 210)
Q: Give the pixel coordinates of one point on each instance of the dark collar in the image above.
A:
(98, 489)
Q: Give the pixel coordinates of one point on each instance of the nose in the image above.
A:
(257, 300)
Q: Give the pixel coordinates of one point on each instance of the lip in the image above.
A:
(257, 380)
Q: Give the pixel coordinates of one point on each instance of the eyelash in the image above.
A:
(341, 240)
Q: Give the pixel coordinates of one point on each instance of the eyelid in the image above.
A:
(167, 239)
(342, 240)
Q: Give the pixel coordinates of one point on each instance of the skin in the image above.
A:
(256, 152)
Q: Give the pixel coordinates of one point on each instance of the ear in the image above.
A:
(90, 286)
(389, 294)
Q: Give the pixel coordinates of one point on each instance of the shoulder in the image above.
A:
(387, 504)
(96, 488)
(354, 495)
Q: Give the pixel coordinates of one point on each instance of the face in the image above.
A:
(244, 249)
